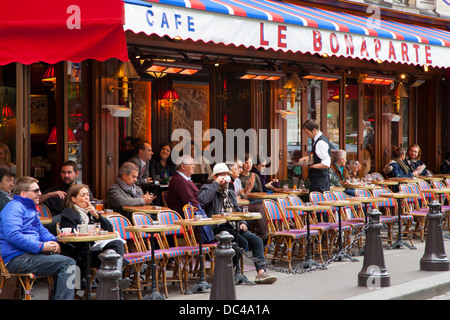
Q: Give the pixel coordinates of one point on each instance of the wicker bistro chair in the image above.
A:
(26, 280)
(356, 215)
(413, 208)
(293, 217)
(289, 244)
(142, 219)
(135, 259)
(325, 228)
(389, 221)
(357, 223)
(390, 205)
(315, 198)
(447, 182)
(43, 211)
(189, 212)
(424, 186)
(445, 206)
(377, 176)
(169, 217)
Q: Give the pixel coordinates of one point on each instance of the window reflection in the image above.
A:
(351, 121)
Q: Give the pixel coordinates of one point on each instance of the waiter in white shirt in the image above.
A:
(319, 178)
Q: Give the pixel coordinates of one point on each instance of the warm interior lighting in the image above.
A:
(127, 73)
(173, 67)
(375, 79)
(260, 75)
(52, 138)
(169, 98)
(49, 77)
(295, 87)
(320, 76)
(8, 113)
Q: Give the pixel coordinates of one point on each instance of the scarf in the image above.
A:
(402, 165)
(227, 205)
(129, 189)
(83, 214)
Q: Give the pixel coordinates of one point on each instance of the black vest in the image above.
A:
(319, 178)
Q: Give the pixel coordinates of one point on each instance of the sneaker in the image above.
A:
(264, 278)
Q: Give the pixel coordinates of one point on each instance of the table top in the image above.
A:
(437, 190)
(46, 220)
(243, 202)
(265, 195)
(308, 208)
(427, 178)
(153, 228)
(336, 188)
(442, 175)
(145, 209)
(406, 180)
(385, 182)
(200, 222)
(399, 195)
(340, 203)
(369, 199)
(359, 185)
(236, 216)
(292, 191)
(86, 237)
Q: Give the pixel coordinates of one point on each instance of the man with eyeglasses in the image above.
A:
(27, 246)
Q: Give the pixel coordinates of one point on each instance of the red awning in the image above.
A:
(52, 31)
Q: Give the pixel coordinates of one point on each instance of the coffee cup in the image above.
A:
(66, 230)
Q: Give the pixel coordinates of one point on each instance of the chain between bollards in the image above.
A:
(299, 269)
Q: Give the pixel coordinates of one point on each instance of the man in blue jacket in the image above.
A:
(27, 246)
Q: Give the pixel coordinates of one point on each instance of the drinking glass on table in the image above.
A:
(245, 209)
(99, 205)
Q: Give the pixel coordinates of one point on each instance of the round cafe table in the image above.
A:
(442, 175)
(406, 180)
(309, 261)
(243, 202)
(385, 182)
(399, 196)
(265, 195)
(297, 192)
(146, 209)
(341, 203)
(201, 285)
(359, 185)
(235, 217)
(433, 178)
(152, 229)
(45, 220)
(86, 239)
(336, 188)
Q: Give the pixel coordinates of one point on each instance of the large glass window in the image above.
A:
(333, 113)
(314, 104)
(76, 121)
(294, 141)
(405, 118)
(8, 120)
(369, 130)
(351, 121)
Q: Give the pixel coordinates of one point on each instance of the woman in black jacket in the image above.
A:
(78, 210)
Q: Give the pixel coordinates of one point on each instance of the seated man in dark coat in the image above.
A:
(216, 197)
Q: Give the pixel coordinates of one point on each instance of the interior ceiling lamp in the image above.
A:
(52, 139)
(375, 79)
(320, 76)
(169, 98)
(49, 77)
(397, 93)
(127, 73)
(7, 112)
(173, 67)
(260, 75)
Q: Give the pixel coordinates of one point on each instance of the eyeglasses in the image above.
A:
(35, 190)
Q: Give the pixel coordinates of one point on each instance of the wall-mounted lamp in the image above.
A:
(169, 98)
(52, 139)
(127, 73)
(49, 77)
(260, 75)
(397, 93)
(173, 67)
(294, 86)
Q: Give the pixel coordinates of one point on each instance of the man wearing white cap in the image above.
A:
(216, 197)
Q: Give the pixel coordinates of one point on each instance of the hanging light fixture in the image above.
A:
(172, 67)
(7, 112)
(294, 86)
(260, 75)
(127, 73)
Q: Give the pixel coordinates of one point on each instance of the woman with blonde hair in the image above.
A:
(5, 158)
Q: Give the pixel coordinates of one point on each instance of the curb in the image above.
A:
(419, 289)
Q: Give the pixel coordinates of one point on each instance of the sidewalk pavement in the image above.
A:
(338, 282)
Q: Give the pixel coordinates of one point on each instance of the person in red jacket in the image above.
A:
(182, 190)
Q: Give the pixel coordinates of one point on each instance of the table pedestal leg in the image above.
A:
(342, 255)
(400, 242)
(154, 294)
(309, 262)
(88, 272)
(201, 285)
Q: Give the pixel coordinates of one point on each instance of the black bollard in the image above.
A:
(223, 287)
(108, 275)
(434, 258)
(374, 273)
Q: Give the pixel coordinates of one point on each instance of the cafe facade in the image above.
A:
(374, 75)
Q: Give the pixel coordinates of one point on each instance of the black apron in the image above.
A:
(319, 179)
